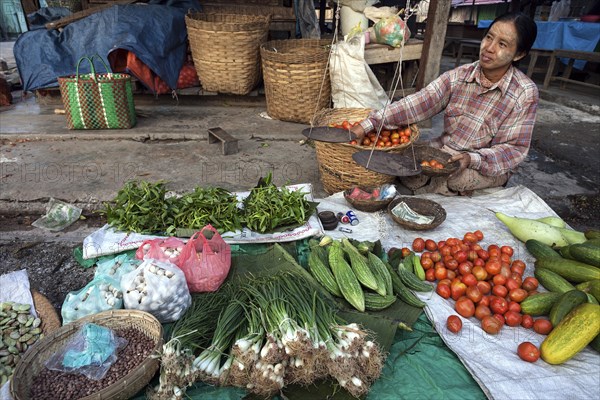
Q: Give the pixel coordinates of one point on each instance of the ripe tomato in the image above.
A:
(451, 274)
(469, 280)
(446, 282)
(514, 306)
(366, 142)
(504, 258)
(460, 256)
(518, 295)
(527, 321)
(513, 318)
(500, 290)
(464, 268)
(346, 125)
(512, 283)
(472, 255)
(493, 267)
(517, 266)
(507, 250)
(530, 283)
(430, 245)
(454, 323)
(354, 142)
(485, 301)
(478, 234)
(491, 325)
(443, 291)
(483, 254)
(418, 245)
(465, 307)
(436, 256)
(426, 263)
(479, 261)
(499, 279)
(451, 264)
(542, 326)
(528, 352)
(430, 275)
(470, 237)
(441, 273)
(482, 311)
(441, 244)
(458, 290)
(405, 252)
(479, 272)
(484, 287)
(474, 294)
(500, 318)
(498, 305)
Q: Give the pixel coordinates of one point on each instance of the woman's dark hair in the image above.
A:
(526, 30)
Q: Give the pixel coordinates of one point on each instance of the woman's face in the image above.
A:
(499, 48)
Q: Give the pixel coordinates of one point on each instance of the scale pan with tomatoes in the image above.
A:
(387, 163)
(329, 134)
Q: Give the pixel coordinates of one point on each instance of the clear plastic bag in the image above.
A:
(90, 352)
(101, 294)
(116, 267)
(58, 216)
(157, 287)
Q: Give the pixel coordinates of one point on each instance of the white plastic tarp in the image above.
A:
(491, 359)
(107, 240)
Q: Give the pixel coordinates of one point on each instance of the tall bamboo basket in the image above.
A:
(296, 78)
(338, 170)
(226, 50)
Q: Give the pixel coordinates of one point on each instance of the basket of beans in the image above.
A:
(132, 371)
(434, 162)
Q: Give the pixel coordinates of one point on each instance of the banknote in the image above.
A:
(403, 211)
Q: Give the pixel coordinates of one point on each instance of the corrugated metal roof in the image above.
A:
(460, 3)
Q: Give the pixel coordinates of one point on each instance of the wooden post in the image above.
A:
(433, 45)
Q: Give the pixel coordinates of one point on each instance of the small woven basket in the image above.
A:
(426, 153)
(33, 361)
(296, 78)
(365, 205)
(226, 50)
(337, 168)
(422, 206)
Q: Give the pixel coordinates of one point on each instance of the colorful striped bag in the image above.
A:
(97, 101)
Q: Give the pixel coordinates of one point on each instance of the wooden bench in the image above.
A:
(534, 54)
(572, 56)
(473, 50)
(229, 144)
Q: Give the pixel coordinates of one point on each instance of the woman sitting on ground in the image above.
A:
(489, 112)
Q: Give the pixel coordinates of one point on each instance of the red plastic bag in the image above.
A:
(205, 260)
(169, 249)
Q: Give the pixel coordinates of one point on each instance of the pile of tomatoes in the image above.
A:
(433, 163)
(387, 138)
(485, 283)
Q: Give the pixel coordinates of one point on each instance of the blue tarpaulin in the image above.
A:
(155, 32)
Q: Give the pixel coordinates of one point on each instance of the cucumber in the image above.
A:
(572, 334)
(565, 252)
(592, 234)
(591, 287)
(539, 303)
(540, 250)
(552, 281)
(418, 268)
(567, 302)
(571, 270)
(586, 253)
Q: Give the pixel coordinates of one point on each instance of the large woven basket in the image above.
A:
(338, 170)
(226, 50)
(33, 362)
(296, 79)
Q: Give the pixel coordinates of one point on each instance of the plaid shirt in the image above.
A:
(494, 125)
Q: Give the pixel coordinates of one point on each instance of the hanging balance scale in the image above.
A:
(383, 162)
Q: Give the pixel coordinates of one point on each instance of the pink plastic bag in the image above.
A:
(168, 249)
(205, 261)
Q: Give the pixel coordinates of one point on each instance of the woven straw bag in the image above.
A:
(338, 170)
(296, 78)
(97, 101)
(225, 49)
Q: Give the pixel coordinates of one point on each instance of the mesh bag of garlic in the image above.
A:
(157, 287)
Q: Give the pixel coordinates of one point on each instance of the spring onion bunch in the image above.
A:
(277, 331)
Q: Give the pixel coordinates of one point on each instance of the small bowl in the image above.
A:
(366, 205)
(428, 153)
(421, 206)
